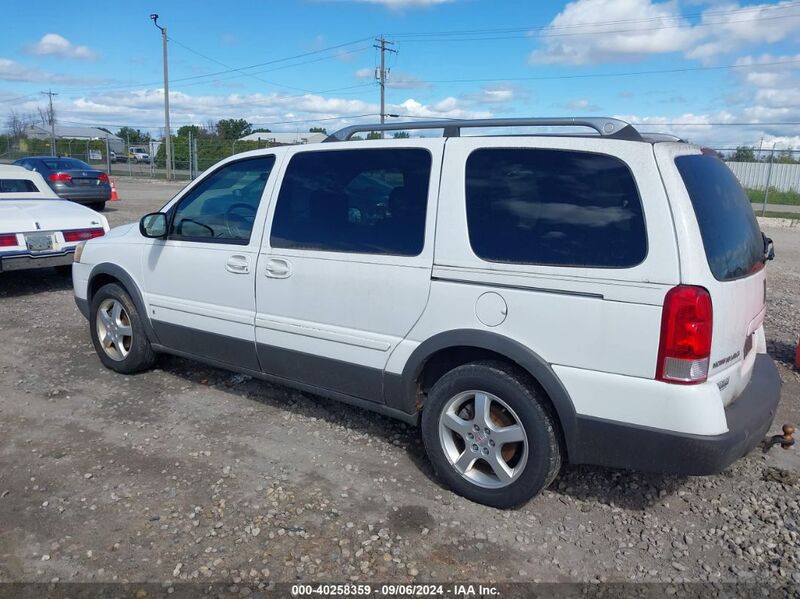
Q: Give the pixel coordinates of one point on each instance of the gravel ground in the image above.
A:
(191, 473)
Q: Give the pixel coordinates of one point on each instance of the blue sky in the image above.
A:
(678, 66)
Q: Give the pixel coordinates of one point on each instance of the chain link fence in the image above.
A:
(190, 155)
(768, 175)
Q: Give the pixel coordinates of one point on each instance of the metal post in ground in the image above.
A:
(194, 158)
(769, 180)
(167, 139)
(108, 157)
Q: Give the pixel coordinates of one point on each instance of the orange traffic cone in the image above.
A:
(114, 196)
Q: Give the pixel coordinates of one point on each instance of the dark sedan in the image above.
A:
(72, 179)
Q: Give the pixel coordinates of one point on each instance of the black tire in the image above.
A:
(544, 455)
(140, 355)
(64, 270)
(98, 206)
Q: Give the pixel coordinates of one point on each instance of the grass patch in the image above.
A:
(787, 198)
(768, 214)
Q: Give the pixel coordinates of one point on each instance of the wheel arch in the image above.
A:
(105, 273)
(407, 391)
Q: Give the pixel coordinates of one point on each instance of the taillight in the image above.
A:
(685, 346)
(8, 239)
(103, 178)
(82, 234)
(59, 177)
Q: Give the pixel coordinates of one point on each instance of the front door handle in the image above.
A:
(278, 268)
(238, 264)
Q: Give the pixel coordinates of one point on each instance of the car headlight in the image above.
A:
(76, 257)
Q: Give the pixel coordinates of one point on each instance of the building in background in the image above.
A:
(116, 144)
(285, 138)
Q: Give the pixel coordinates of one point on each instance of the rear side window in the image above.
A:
(65, 164)
(17, 186)
(369, 201)
(554, 207)
(731, 236)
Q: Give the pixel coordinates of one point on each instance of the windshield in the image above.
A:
(731, 236)
(65, 164)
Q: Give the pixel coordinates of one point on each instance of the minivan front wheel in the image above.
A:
(489, 436)
(118, 333)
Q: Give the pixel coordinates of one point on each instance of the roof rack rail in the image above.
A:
(606, 127)
(661, 137)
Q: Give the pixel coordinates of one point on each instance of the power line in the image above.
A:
(214, 60)
(551, 27)
(237, 69)
(548, 34)
(602, 75)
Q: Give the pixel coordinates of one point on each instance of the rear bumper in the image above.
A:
(618, 445)
(29, 261)
(88, 194)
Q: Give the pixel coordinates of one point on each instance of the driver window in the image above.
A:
(222, 208)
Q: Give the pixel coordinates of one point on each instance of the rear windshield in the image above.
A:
(17, 186)
(731, 237)
(65, 164)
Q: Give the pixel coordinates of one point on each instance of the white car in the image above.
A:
(38, 229)
(529, 300)
(138, 155)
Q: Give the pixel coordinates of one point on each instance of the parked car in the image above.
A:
(529, 300)
(38, 229)
(115, 157)
(71, 179)
(138, 155)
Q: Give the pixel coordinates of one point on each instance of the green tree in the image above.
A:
(261, 130)
(374, 135)
(401, 135)
(135, 136)
(230, 129)
(744, 154)
(787, 157)
(197, 131)
(318, 130)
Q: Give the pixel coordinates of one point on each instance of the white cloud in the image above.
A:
(53, 44)
(365, 73)
(501, 94)
(583, 33)
(395, 79)
(581, 105)
(450, 107)
(13, 71)
(575, 37)
(144, 108)
(759, 23)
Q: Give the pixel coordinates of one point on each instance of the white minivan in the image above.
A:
(528, 299)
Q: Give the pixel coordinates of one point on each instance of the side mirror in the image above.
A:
(154, 225)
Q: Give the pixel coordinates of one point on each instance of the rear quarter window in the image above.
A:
(17, 186)
(554, 207)
(731, 237)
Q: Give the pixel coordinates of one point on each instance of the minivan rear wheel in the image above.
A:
(489, 435)
(118, 332)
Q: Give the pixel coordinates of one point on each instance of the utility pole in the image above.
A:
(167, 135)
(382, 73)
(51, 116)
